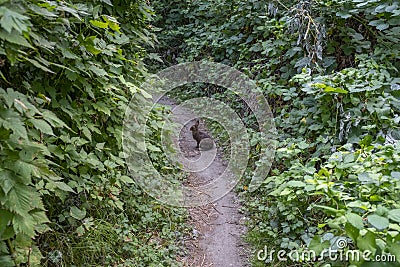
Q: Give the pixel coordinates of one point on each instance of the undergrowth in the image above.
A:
(330, 72)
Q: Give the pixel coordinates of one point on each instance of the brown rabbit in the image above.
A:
(198, 135)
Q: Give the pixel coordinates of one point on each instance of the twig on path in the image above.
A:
(204, 258)
(202, 210)
(202, 192)
(231, 207)
(205, 221)
(236, 236)
(235, 223)
(217, 210)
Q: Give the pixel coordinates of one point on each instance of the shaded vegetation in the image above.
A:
(68, 70)
(330, 72)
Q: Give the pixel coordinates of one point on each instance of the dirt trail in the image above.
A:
(218, 227)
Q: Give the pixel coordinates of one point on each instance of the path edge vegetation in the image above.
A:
(330, 70)
(67, 72)
(69, 68)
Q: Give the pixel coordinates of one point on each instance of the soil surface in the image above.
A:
(218, 227)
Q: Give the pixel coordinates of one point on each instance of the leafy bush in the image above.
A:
(330, 71)
(68, 70)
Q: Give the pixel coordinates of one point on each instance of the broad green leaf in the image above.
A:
(396, 175)
(357, 36)
(52, 119)
(145, 94)
(102, 107)
(115, 27)
(19, 130)
(153, 148)
(394, 215)
(352, 231)
(367, 242)
(383, 26)
(286, 192)
(24, 224)
(6, 261)
(92, 49)
(20, 199)
(378, 222)
(42, 126)
(80, 230)
(343, 14)
(119, 204)
(365, 178)
(12, 20)
(381, 211)
(108, 2)
(5, 218)
(98, 71)
(40, 217)
(329, 89)
(42, 11)
(394, 249)
(64, 187)
(12, 121)
(7, 234)
(317, 245)
(303, 145)
(14, 38)
(8, 96)
(126, 179)
(72, 11)
(77, 213)
(72, 76)
(87, 133)
(100, 146)
(112, 23)
(296, 184)
(379, 24)
(355, 220)
(40, 66)
(375, 198)
(99, 24)
(7, 180)
(319, 85)
(328, 209)
(24, 170)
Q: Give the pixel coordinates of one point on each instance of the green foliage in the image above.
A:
(68, 70)
(330, 71)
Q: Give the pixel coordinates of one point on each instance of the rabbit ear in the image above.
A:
(197, 122)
